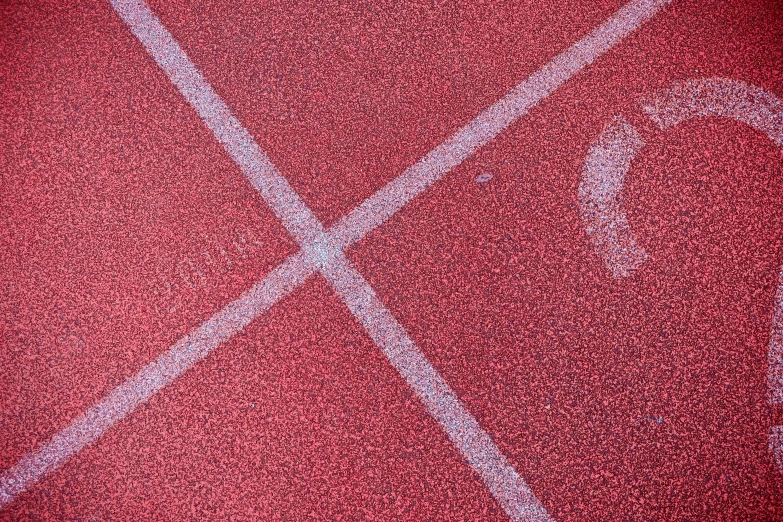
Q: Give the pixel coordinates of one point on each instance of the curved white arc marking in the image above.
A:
(749, 104)
(600, 195)
(722, 97)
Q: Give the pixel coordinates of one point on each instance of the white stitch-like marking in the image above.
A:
(600, 194)
(196, 270)
(184, 278)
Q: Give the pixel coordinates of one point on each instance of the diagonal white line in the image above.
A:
(324, 252)
(240, 145)
(500, 477)
(481, 130)
(128, 396)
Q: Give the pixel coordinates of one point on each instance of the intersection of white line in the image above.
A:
(323, 252)
(600, 192)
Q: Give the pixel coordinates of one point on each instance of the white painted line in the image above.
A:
(718, 97)
(128, 396)
(500, 477)
(600, 195)
(397, 193)
(236, 140)
(324, 251)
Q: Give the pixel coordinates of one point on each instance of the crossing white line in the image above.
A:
(323, 252)
(500, 477)
(481, 130)
(236, 140)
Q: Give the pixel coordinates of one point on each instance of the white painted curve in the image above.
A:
(600, 194)
(600, 190)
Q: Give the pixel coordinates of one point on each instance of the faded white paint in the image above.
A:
(324, 252)
(776, 446)
(610, 158)
(600, 197)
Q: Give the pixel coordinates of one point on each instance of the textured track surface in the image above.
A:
(125, 225)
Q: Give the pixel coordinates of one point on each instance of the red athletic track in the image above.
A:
(113, 190)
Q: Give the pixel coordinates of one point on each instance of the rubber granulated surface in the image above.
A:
(344, 98)
(299, 417)
(122, 218)
(127, 227)
(642, 398)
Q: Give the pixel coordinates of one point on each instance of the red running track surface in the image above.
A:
(125, 225)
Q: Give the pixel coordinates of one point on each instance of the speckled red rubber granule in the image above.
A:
(124, 225)
(123, 220)
(344, 97)
(298, 418)
(634, 399)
